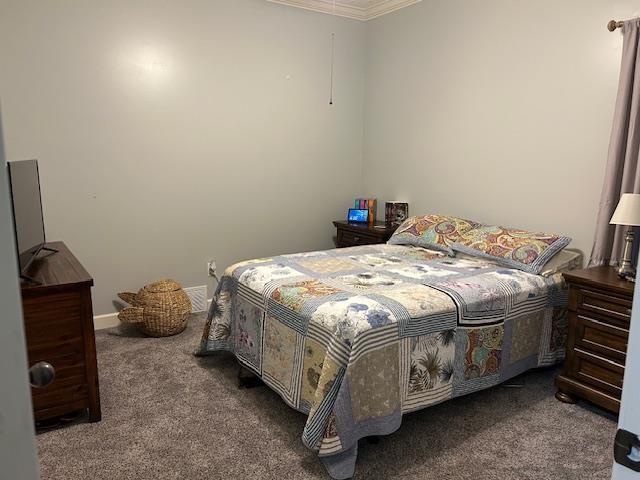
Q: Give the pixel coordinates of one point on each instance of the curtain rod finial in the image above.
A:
(612, 25)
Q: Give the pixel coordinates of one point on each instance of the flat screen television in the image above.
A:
(24, 183)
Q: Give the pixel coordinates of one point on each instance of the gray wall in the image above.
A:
(496, 110)
(171, 132)
(17, 436)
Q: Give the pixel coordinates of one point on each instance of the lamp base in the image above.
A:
(626, 269)
(626, 272)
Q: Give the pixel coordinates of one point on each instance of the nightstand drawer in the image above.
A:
(354, 234)
(599, 336)
(56, 318)
(616, 309)
(592, 369)
(346, 237)
(68, 362)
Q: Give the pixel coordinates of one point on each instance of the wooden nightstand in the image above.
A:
(352, 234)
(599, 318)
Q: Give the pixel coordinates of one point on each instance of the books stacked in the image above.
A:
(370, 204)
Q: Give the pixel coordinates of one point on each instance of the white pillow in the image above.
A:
(565, 259)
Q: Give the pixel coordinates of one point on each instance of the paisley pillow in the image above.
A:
(436, 232)
(520, 249)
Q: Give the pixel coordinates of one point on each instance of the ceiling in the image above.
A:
(358, 9)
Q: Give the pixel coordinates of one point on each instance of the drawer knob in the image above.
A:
(356, 239)
(41, 375)
(628, 311)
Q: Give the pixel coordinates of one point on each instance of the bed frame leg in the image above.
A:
(248, 379)
(565, 397)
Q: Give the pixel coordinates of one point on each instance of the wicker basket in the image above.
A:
(159, 309)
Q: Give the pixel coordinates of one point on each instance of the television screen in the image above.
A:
(27, 210)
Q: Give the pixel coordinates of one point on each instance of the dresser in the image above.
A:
(353, 234)
(599, 318)
(58, 320)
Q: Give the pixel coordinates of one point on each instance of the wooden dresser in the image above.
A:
(599, 318)
(58, 318)
(353, 234)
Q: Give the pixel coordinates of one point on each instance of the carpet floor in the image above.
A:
(169, 415)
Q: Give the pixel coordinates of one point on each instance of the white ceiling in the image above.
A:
(358, 9)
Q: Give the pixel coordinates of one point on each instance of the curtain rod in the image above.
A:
(612, 25)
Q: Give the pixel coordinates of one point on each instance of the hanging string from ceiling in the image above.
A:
(333, 51)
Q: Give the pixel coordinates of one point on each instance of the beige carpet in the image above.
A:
(169, 415)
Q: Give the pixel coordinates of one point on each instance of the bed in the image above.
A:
(357, 337)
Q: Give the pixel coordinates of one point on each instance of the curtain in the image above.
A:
(621, 174)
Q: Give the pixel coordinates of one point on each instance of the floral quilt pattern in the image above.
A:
(356, 337)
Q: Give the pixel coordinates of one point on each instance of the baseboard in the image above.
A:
(100, 322)
(109, 320)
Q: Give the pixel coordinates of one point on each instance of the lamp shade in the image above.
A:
(628, 210)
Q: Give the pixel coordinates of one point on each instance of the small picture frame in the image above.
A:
(395, 213)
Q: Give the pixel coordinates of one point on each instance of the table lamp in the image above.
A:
(627, 213)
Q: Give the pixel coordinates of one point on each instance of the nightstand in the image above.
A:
(352, 234)
(599, 318)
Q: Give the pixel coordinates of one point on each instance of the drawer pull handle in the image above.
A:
(356, 239)
(41, 375)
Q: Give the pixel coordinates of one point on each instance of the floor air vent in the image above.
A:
(198, 296)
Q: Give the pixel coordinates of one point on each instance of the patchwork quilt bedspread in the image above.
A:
(356, 337)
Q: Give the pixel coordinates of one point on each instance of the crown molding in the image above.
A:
(383, 7)
(370, 9)
(326, 6)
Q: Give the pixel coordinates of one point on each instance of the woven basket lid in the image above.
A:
(163, 286)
